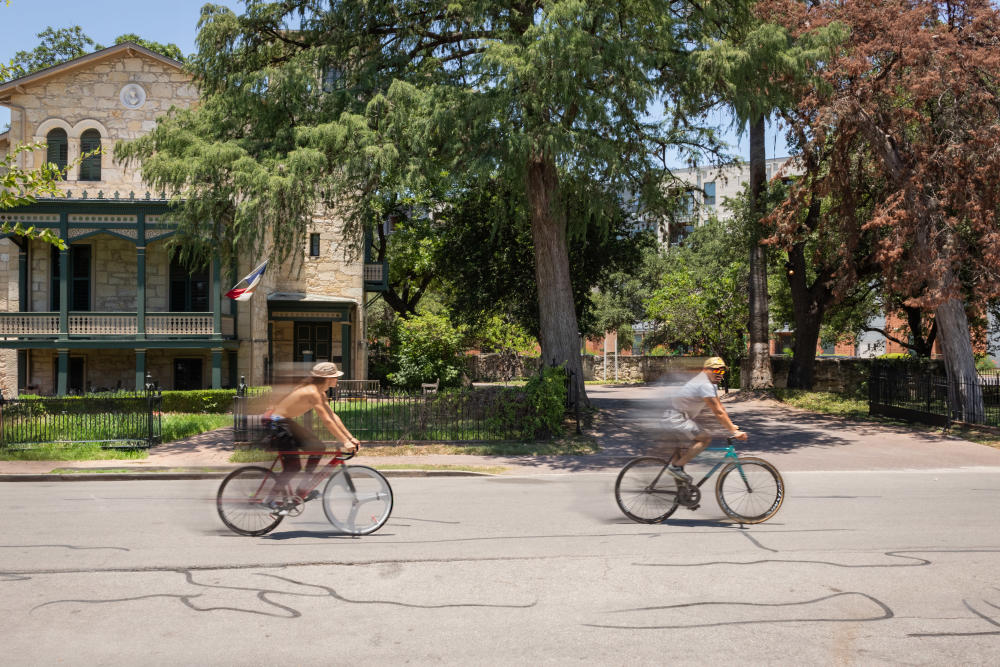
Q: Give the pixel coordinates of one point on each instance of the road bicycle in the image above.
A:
(357, 500)
(749, 489)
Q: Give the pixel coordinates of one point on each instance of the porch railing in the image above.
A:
(112, 324)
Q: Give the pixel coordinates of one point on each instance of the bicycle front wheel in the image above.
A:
(242, 499)
(750, 490)
(357, 500)
(645, 491)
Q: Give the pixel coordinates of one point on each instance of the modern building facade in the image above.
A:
(116, 304)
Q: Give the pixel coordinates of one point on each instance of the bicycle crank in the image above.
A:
(689, 496)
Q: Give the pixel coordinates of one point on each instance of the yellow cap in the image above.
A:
(715, 362)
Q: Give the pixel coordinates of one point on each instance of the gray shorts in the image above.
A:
(678, 425)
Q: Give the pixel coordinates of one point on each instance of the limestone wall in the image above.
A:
(9, 301)
(91, 97)
(115, 274)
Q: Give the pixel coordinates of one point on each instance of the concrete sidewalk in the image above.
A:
(791, 439)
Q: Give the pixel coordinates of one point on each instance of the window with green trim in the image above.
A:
(58, 147)
(79, 278)
(188, 289)
(90, 167)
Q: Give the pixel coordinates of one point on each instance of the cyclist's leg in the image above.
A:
(305, 440)
(698, 437)
(285, 440)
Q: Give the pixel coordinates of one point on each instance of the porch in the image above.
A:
(114, 287)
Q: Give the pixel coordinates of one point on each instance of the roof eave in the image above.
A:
(17, 85)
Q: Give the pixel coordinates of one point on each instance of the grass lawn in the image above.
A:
(175, 427)
(828, 403)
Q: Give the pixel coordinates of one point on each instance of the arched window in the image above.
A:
(57, 147)
(90, 168)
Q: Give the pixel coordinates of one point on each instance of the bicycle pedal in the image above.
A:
(693, 507)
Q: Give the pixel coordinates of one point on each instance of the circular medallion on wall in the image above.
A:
(132, 96)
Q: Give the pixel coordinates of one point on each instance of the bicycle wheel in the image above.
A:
(645, 491)
(750, 490)
(241, 499)
(357, 500)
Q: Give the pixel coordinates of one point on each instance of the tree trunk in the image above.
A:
(808, 305)
(560, 333)
(964, 394)
(760, 351)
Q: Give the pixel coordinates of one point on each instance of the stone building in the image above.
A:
(114, 305)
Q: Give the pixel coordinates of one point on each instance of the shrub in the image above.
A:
(201, 401)
(429, 349)
(545, 395)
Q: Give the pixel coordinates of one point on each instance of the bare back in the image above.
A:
(299, 401)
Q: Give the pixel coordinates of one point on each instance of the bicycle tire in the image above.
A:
(753, 476)
(357, 500)
(240, 501)
(636, 497)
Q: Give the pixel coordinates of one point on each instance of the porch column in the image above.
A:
(64, 279)
(345, 350)
(22, 276)
(140, 370)
(216, 368)
(216, 302)
(62, 373)
(140, 270)
(140, 295)
(64, 293)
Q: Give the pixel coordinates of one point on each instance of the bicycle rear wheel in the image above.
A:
(241, 501)
(645, 491)
(357, 500)
(750, 490)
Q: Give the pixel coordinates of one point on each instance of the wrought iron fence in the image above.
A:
(117, 420)
(913, 394)
(375, 414)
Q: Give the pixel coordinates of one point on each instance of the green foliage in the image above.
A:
(985, 363)
(199, 401)
(826, 403)
(498, 334)
(428, 350)
(545, 395)
(56, 46)
(485, 261)
(169, 50)
(701, 300)
(623, 293)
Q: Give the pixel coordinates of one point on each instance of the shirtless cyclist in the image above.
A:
(309, 394)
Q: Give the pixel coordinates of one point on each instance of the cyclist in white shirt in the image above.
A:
(686, 404)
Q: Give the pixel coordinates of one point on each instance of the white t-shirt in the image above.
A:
(690, 398)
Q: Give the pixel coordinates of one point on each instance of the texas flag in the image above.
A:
(245, 288)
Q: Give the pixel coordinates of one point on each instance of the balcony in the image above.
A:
(376, 276)
(102, 325)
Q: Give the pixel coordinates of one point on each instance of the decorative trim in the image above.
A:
(306, 315)
(82, 231)
(78, 217)
(132, 96)
(29, 217)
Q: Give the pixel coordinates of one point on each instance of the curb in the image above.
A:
(171, 476)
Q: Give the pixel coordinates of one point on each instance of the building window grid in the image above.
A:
(57, 148)
(314, 245)
(90, 167)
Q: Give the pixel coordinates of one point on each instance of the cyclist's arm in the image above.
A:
(333, 422)
(715, 405)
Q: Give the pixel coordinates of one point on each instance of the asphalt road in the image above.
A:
(884, 567)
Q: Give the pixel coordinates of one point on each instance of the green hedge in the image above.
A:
(200, 401)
